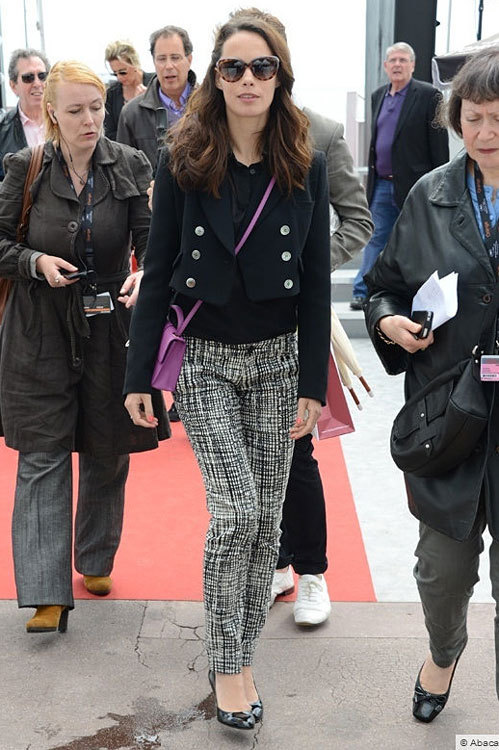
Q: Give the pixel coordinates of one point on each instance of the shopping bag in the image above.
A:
(335, 418)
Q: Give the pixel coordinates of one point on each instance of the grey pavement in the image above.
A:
(132, 675)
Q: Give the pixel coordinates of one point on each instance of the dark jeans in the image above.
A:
(303, 526)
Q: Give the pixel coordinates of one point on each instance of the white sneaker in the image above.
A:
(312, 605)
(282, 584)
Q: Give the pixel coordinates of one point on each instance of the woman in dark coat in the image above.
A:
(63, 344)
(124, 61)
(240, 396)
(442, 227)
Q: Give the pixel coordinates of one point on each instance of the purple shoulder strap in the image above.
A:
(183, 324)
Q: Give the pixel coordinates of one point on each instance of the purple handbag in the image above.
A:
(172, 345)
(171, 351)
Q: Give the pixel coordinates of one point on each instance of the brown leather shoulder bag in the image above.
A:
(22, 228)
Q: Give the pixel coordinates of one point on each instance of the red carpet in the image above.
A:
(160, 556)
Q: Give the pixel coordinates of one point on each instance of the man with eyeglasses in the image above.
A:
(144, 120)
(23, 125)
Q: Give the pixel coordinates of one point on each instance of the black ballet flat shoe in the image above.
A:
(257, 709)
(427, 706)
(233, 719)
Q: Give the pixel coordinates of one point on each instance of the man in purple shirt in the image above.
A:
(405, 145)
(144, 120)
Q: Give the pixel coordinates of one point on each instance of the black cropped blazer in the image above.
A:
(191, 251)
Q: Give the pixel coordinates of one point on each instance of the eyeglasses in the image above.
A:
(30, 77)
(263, 68)
(119, 73)
(399, 60)
(174, 59)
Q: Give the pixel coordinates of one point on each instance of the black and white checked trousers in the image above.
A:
(237, 403)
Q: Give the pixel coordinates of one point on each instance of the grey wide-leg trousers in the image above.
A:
(237, 403)
(446, 572)
(42, 523)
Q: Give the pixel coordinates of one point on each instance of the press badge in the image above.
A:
(489, 367)
(97, 304)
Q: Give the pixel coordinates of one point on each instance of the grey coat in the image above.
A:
(144, 120)
(437, 230)
(61, 374)
(346, 194)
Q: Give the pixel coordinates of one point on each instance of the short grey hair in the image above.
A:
(477, 81)
(25, 54)
(167, 31)
(401, 47)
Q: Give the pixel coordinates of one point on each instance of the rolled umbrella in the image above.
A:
(346, 359)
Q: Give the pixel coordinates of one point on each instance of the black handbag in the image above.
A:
(440, 425)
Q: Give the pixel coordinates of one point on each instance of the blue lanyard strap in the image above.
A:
(87, 220)
(491, 233)
(87, 217)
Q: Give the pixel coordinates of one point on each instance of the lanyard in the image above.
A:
(87, 220)
(87, 215)
(491, 232)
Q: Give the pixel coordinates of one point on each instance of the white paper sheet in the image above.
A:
(439, 296)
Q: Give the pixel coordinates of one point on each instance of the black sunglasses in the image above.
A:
(119, 73)
(263, 68)
(30, 77)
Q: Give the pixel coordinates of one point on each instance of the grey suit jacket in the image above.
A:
(346, 194)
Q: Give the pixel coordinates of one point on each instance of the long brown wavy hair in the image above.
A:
(200, 143)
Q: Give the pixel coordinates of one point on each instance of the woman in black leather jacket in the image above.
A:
(442, 228)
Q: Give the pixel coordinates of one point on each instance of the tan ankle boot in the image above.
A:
(49, 618)
(98, 585)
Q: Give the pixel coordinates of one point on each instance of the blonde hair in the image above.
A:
(122, 50)
(70, 71)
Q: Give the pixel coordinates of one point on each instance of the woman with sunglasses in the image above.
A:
(247, 388)
(63, 340)
(124, 62)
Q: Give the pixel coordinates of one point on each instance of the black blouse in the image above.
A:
(242, 321)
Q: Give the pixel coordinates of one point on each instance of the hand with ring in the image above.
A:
(51, 266)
